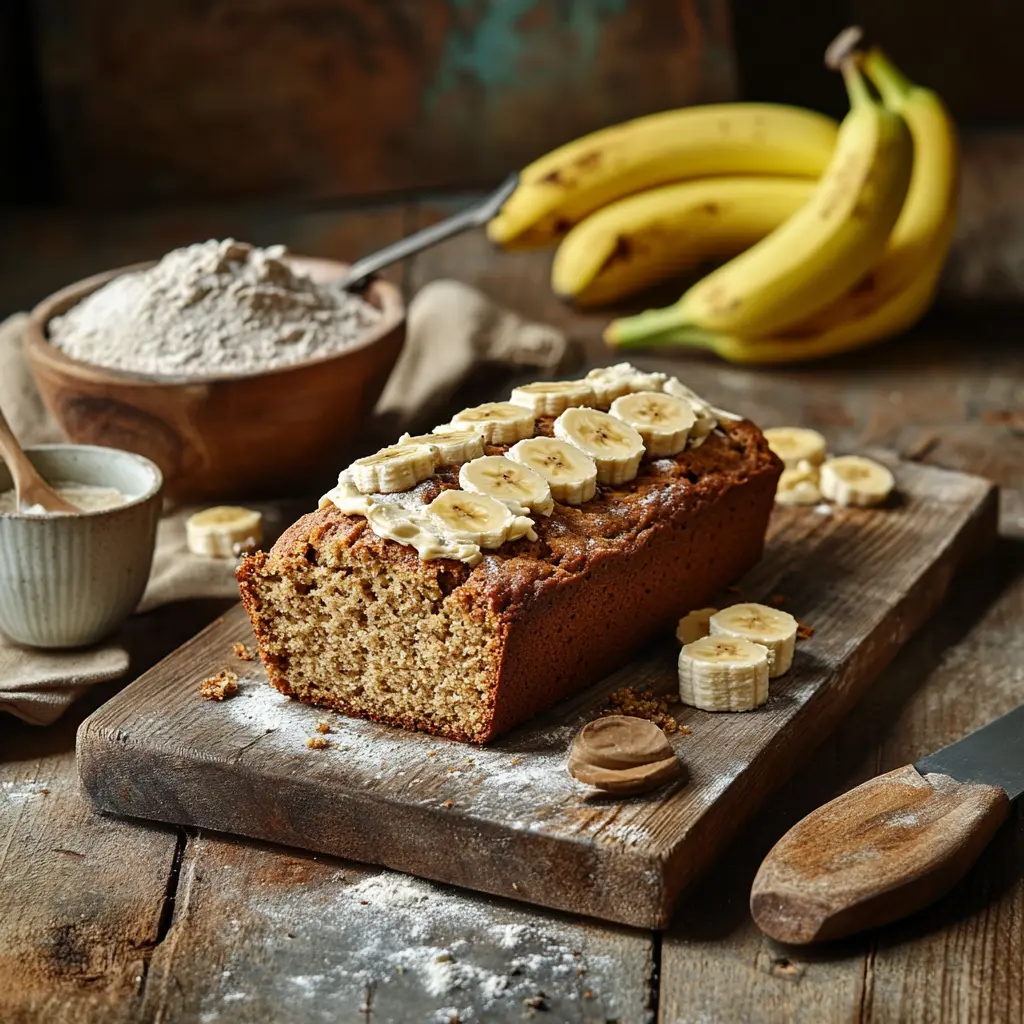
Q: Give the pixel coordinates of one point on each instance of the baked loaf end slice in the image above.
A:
(348, 620)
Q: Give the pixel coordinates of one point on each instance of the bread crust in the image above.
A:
(556, 614)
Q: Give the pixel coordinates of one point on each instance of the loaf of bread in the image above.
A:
(350, 620)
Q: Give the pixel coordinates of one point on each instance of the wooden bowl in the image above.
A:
(259, 434)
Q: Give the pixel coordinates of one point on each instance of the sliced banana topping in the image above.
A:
(721, 673)
(417, 530)
(706, 418)
(854, 480)
(346, 497)
(549, 398)
(798, 486)
(615, 447)
(694, 625)
(499, 422)
(796, 444)
(398, 468)
(453, 447)
(663, 421)
(478, 519)
(514, 484)
(771, 627)
(224, 531)
(571, 475)
(611, 382)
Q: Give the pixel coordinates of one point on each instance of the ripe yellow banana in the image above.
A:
(819, 253)
(895, 314)
(560, 189)
(653, 235)
(924, 222)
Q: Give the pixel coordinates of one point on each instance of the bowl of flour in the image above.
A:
(239, 370)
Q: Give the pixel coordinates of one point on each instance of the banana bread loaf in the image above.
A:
(352, 621)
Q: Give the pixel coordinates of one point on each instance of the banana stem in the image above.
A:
(893, 85)
(856, 85)
(674, 336)
(644, 328)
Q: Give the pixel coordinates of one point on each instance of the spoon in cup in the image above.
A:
(29, 487)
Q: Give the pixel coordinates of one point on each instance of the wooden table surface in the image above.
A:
(108, 921)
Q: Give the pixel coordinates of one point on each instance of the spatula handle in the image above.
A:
(873, 855)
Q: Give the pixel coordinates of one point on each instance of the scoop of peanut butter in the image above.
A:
(621, 754)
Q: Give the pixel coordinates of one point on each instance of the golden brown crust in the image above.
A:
(599, 581)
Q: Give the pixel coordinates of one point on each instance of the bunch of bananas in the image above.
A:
(835, 234)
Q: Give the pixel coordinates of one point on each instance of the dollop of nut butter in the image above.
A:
(621, 754)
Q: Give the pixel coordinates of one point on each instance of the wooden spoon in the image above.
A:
(29, 487)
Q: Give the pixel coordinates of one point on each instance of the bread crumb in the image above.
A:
(219, 687)
(627, 701)
(243, 652)
(324, 727)
(777, 600)
(448, 804)
(587, 994)
(317, 743)
(431, 753)
(803, 631)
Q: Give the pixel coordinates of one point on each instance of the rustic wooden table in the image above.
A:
(106, 921)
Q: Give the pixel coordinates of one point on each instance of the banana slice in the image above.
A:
(571, 475)
(224, 531)
(416, 529)
(615, 447)
(798, 486)
(453, 447)
(398, 468)
(478, 519)
(796, 444)
(499, 422)
(706, 418)
(512, 483)
(854, 480)
(549, 398)
(770, 627)
(611, 382)
(663, 421)
(346, 497)
(694, 625)
(720, 673)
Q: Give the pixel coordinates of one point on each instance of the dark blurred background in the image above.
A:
(133, 127)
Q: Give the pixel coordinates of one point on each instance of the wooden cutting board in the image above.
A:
(507, 819)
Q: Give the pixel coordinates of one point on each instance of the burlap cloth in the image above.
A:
(452, 330)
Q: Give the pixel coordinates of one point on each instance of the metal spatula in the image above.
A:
(474, 217)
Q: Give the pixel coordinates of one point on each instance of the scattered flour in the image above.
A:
(217, 307)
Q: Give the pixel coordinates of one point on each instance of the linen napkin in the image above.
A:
(452, 329)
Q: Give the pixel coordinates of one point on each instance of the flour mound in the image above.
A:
(217, 307)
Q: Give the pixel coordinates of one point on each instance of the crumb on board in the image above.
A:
(777, 600)
(219, 687)
(644, 704)
(317, 743)
(323, 727)
(803, 631)
(241, 651)
(431, 753)
(448, 804)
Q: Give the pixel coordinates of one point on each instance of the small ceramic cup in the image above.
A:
(71, 580)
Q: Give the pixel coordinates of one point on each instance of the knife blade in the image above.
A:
(893, 844)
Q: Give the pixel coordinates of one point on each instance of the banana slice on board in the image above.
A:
(799, 485)
(416, 529)
(796, 444)
(398, 468)
(499, 422)
(453, 447)
(478, 519)
(611, 382)
(549, 398)
(224, 531)
(615, 447)
(720, 673)
(694, 625)
(571, 475)
(663, 421)
(771, 627)
(854, 480)
(514, 484)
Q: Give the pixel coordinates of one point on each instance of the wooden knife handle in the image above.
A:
(873, 855)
